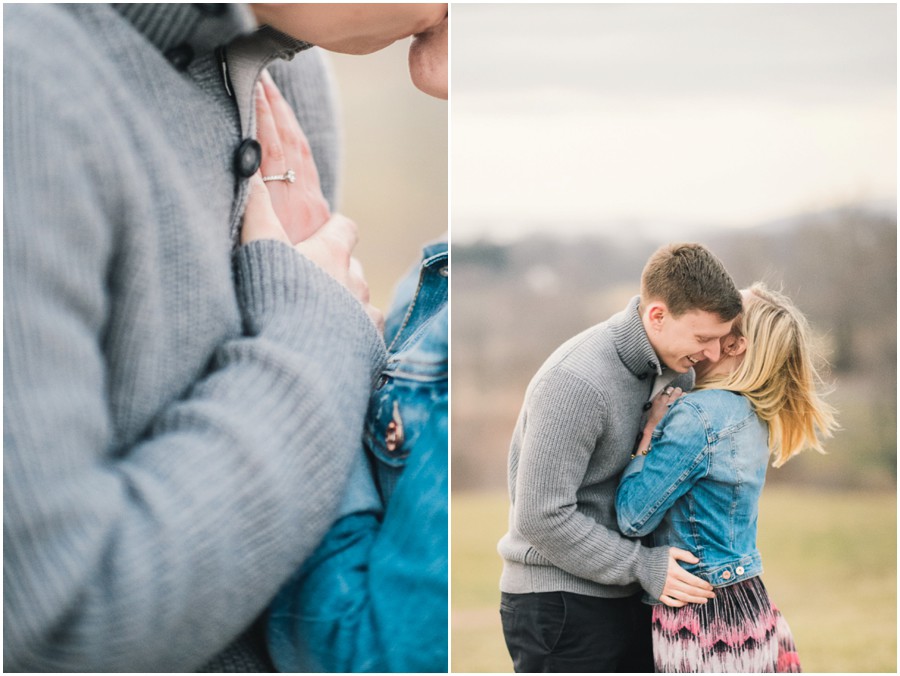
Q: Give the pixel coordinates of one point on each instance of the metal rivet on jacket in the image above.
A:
(393, 439)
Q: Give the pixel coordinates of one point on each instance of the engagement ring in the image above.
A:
(288, 176)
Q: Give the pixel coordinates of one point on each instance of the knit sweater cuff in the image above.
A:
(653, 567)
(282, 294)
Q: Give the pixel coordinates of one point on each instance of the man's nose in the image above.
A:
(713, 352)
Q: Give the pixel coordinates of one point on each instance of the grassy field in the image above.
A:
(830, 561)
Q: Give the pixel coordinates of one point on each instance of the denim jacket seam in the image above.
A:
(717, 435)
(419, 330)
(738, 489)
(441, 254)
(398, 360)
(698, 541)
(412, 376)
(430, 260)
(409, 312)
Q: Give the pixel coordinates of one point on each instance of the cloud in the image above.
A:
(647, 51)
(727, 114)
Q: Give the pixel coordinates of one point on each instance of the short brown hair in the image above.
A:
(689, 277)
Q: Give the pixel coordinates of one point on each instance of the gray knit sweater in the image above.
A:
(179, 415)
(574, 437)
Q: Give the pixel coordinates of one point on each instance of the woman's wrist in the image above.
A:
(643, 446)
(646, 438)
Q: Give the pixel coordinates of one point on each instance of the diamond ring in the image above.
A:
(288, 177)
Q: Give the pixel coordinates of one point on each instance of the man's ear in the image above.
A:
(656, 313)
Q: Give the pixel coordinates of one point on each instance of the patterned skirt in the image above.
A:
(739, 631)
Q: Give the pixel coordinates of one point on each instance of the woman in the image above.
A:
(695, 483)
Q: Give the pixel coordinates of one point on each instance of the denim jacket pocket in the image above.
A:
(408, 394)
(412, 388)
(399, 409)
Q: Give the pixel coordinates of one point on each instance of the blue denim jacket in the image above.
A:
(373, 597)
(698, 488)
(412, 389)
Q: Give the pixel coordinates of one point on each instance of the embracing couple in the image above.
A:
(635, 472)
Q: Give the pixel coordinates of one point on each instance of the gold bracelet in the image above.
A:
(640, 452)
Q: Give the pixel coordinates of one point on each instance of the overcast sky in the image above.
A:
(666, 116)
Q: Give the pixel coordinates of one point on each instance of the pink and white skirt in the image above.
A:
(739, 631)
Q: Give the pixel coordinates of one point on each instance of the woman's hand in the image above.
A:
(299, 204)
(662, 402)
(660, 405)
(297, 213)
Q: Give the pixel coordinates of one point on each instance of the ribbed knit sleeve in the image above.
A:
(152, 556)
(554, 458)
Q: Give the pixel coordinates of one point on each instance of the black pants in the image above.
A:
(565, 632)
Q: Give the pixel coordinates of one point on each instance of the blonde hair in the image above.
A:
(778, 376)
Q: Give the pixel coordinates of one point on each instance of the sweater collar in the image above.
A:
(204, 27)
(631, 342)
(246, 48)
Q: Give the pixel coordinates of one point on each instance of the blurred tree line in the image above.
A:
(514, 304)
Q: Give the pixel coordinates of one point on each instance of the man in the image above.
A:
(571, 582)
(179, 409)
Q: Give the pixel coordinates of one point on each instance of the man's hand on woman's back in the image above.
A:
(682, 587)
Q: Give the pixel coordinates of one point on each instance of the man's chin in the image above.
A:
(681, 366)
(428, 61)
